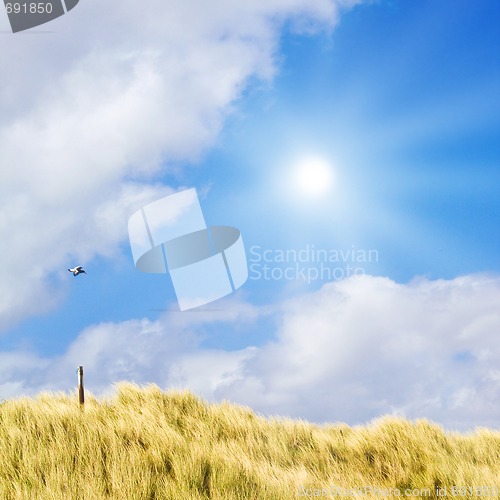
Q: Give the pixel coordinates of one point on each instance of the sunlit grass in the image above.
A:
(147, 444)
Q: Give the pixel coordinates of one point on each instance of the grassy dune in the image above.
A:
(147, 444)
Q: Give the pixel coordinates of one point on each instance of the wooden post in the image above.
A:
(81, 391)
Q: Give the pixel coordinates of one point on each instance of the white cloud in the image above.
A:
(368, 346)
(167, 351)
(116, 92)
(351, 351)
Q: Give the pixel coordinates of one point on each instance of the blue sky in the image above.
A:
(399, 99)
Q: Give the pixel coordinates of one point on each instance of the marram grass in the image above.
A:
(147, 444)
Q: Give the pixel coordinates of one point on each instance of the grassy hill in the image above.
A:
(148, 444)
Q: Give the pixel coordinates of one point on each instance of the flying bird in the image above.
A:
(77, 270)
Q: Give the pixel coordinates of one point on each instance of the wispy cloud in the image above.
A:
(115, 94)
(351, 351)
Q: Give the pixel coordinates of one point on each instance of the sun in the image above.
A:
(312, 177)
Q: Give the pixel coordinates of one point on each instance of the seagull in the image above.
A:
(77, 270)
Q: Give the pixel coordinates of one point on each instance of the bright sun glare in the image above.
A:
(312, 177)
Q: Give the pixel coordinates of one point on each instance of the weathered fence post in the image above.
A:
(81, 391)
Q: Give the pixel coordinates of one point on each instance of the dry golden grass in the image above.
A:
(147, 444)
